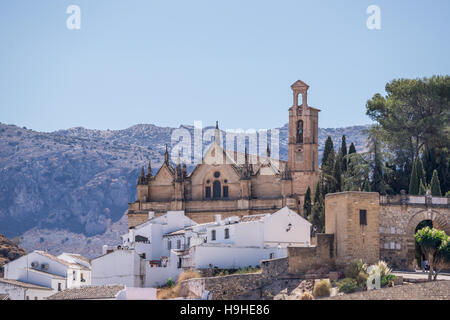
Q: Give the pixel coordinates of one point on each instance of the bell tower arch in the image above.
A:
(303, 141)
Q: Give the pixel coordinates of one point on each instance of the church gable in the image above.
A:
(164, 175)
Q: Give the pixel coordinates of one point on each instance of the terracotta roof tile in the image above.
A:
(88, 292)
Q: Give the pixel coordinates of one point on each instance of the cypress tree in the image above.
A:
(352, 149)
(421, 175)
(344, 153)
(327, 150)
(317, 193)
(337, 174)
(422, 189)
(414, 183)
(435, 185)
(307, 206)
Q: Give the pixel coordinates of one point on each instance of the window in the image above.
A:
(363, 217)
(213, 235)
(386, 245)
(178, 244)
(59, 286)
(227, 233)
(216, 189)
(28, 297)
(169, 244)
(189, 241)
(74, 273)
(381, 229)
(225, 191)
(81, 277)
(272, 256)
(216, 174)
(392, 245)
(398, 246)
(208, 192)
(393, 230)
(35, 298)
(300, 132)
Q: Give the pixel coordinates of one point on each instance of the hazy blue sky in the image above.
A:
(173, 62)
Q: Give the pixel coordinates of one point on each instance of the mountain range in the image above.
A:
(68, 190)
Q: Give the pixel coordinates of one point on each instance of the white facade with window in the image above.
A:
(146, 257)
(41, 273)
(241, 242)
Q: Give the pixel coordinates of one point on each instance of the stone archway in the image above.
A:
(439, 222)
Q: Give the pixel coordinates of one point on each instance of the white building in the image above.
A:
(145, 258)
(39, 274)
(235, 243)
(162, 247)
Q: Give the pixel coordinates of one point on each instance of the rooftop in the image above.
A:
(24, 284)
(88, 292)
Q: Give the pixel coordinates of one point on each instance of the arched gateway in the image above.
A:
(371, 227)
(399, 218)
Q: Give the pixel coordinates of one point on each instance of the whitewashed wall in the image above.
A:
(232, 257)
(119, 267)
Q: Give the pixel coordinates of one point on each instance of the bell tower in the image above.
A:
(303, 141)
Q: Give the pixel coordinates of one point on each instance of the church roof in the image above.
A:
(299, 84)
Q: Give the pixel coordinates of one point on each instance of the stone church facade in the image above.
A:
(231, 183)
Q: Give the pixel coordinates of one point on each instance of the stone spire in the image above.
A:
(166, 156)
(285, 173)
(141, 179)
(217, 133)
(178, 173)
(246, 169)
(184, 171)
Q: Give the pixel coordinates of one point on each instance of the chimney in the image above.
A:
(218, 218)
(151, 215)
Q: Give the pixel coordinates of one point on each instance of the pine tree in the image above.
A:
(414, 183)
(352, 149)
(307, 206)
(344, 154)
(327, 149)
(435, 185)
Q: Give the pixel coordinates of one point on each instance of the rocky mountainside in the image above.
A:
(79, 181)
(9, 250)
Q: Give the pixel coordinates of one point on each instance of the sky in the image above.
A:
(173, 62)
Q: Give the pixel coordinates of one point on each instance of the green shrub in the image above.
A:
(361, 279)
(387, 280)
(170, 283)
(355, 268)
(322, 288)
(347, 285)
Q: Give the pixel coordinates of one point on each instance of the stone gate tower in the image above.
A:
(303, 142)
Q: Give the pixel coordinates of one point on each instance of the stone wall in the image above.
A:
(398, 223)
(436, 290)
(228, 287)
(304, 259)
(354, 239)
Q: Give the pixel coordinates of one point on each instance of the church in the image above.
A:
(223, 184)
